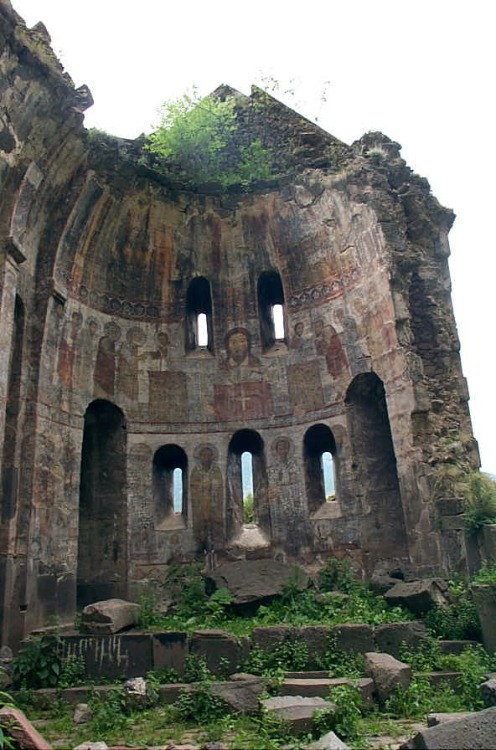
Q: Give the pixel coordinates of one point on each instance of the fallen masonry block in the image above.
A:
(477, 731)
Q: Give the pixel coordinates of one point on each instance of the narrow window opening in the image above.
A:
(328, 474)
(199, 319)
(202, 327)
(170, 481)
(277, 317)
(270, 308)
(247, 486)
(321, 466)
(177, 490)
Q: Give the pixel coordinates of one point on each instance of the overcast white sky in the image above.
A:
(421, 71)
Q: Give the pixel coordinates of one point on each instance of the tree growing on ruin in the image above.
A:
(197, 138)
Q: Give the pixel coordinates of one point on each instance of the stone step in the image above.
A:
(297, 711)
(455, 647)
(311, 687)
(438, 678)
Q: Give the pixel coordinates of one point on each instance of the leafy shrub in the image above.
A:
(149, 614)
(38, 663)
(5, 741)
(287, 656)
(197, 135)
(199, 705)
(457, 621)
(164, 676)
(345, 718)
(195, 669)
(411, 702)
(72, 672)
(340, 663)
(110, 712)
(248, 508)
(472, 663)
(481, 501)
(219, 602)
(186, 586)
(337, 575)
(486, 574)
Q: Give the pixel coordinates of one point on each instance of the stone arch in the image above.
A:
(246, 441)
(269, 293)
(102, 547)
(374, 465)
(198, 302)
(317, 441)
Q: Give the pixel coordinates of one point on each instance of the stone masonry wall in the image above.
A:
(104, 390)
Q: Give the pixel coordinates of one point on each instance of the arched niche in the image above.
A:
(374, 466)
(102, 544)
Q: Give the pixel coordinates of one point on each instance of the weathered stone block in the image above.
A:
(169, 651)
(388, 674)
(329, 741)
(111, 656)
(390, 638)
(489, 541)
(485, 602)
(298, 712)
(488, 692)
(477, 730)
(222, 652)
(243, 696)
(269, 637)
(419, 596)
(455, 647)
(307, 686)
(254, 581)
(353, 638)
(16, 725)
(316, 639)
(109, 616)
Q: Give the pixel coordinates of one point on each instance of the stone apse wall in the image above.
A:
(105, 392)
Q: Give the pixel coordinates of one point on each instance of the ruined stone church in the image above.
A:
(140, 360)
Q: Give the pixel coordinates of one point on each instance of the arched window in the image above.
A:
(271, 309)
(319, 448)
(170, 465)
(247, 482)
(247, 486)
(199, 324)
(102, 548)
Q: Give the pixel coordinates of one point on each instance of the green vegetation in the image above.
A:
(337, 596)
(421, 697)
(5, 742)
(248, 508)
(486, 574)
(345, 719)
(458, 620)
(456, 478)
(38, 663)
(196, 139)
(481, 501)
